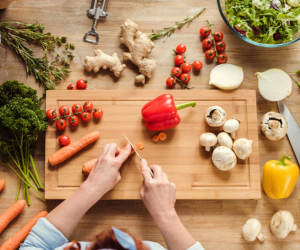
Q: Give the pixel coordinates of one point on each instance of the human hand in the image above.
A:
(106, 173)
(158, 194)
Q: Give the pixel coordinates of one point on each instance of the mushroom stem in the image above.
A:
(232, 135)
(261, 237)
(294, 228)
(215, 114)
(207, 149)
(275, 124)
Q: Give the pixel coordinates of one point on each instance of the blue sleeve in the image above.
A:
(43, 236)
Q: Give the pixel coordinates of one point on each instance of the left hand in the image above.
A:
(106, 173)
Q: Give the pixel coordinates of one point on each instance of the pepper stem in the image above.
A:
(185, 105)
(282, 160)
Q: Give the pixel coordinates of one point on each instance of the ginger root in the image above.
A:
(140, 46)
(102, 60)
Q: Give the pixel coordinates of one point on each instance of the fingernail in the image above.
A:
(143, 161)
(128, 146)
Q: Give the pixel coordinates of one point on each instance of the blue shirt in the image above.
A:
(44, 236)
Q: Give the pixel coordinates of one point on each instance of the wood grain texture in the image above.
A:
(181, 156)
(215, 223)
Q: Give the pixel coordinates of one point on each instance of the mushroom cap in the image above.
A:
(225, 140)
(215, 116)
(282, 223)
(231, 125)
(208, 140)
(242, 148)
(223, 158)
(251, 229)
(274, 126)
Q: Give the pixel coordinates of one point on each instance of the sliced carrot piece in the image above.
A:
(140, 145)
(155, 138)
(162, 136)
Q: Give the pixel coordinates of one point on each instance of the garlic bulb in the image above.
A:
(274, 84)
(226, 76)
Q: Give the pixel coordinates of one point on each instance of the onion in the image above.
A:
(274, 84)
(226, 76)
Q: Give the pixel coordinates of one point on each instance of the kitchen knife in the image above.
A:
(293, 131)
(150, 170)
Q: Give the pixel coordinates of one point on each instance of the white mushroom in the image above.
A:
(223, 158)
(274, 126)
(252, 230)
(225, 140)
(231, 126)
(282, 223)
(208, 140)
(215, 116)
(242, 148)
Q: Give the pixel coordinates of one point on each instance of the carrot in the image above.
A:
(11, 213)
(67, 151)
(140, 145)
(155, 138)
(2, 184)
(162, 136)
(15, 241)
(88, 166)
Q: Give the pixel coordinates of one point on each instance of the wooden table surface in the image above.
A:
(216, 224)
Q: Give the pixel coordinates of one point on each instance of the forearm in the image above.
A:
(174, 232)
(66, 216)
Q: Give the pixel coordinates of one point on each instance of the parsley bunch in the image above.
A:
(21, 120)
(264, 21)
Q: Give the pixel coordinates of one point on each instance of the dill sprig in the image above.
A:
(168, 31)
(19, 35)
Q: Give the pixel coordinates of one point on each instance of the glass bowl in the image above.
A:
(221, 6)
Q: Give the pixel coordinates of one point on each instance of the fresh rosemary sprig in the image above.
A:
(168, 31)
(18, 35)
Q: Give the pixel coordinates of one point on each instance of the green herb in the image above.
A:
(21, 120)
(18, 35)
(262, 22)
(298, 84)
(168, 31)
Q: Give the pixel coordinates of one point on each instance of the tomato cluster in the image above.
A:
(216, 42)
(81, 84)
(83, 112)
(178, 74)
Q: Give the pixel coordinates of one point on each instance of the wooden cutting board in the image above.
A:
(181, 157)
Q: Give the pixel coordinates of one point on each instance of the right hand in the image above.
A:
(158, 194)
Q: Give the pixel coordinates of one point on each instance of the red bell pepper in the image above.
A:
(161, 113)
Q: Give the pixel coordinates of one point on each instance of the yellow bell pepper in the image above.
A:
(280, 177)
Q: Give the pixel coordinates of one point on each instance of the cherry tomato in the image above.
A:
(210, 54)
(186, 67)
(176, 72)
(185, 78)
(51, 114)
(88, 106)
(179, 60)
(204, 31)
(85, 116)
(171, 82)
(64, 140)
(218, 36)
(221, 46)
(98, 113)
(72, 87)
(76, 108)
(61, 124)
(222, 58)
(180, 49)
(81, 84)
(197, 65)
(64, 110)
(207, 43)
(73, 120)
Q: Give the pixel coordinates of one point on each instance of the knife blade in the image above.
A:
(150, 170)
(293, 131)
